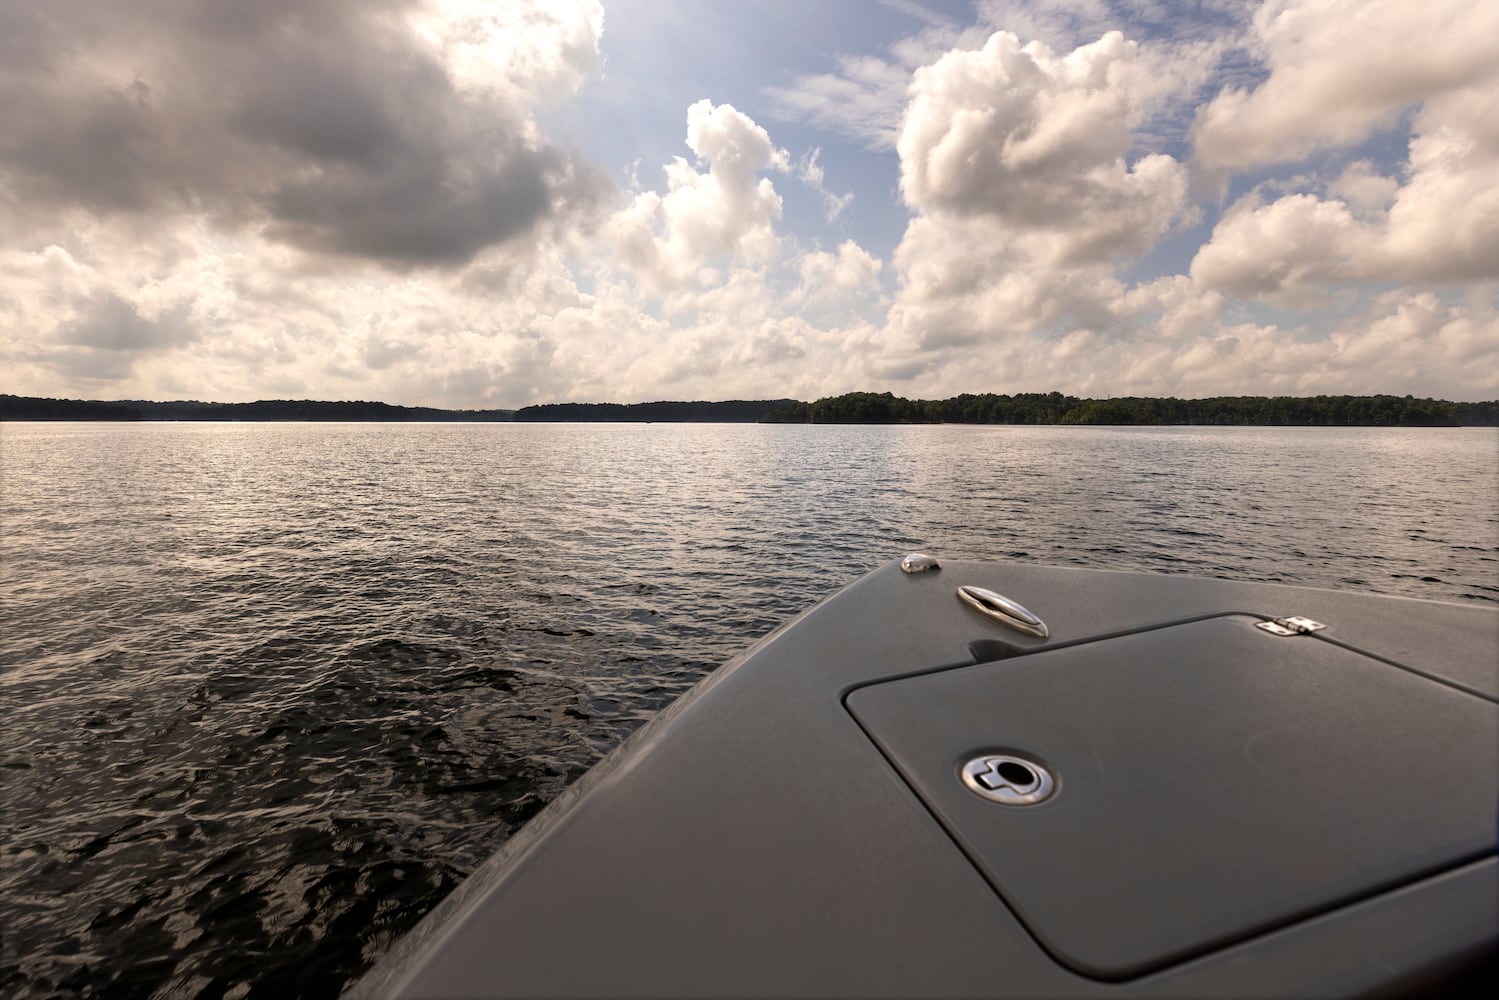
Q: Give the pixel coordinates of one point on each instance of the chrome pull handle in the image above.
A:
(1003, 610)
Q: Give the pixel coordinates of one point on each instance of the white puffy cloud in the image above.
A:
(1440, 226)
(1288, 252)
(1402, 342)
(1016, 160)
(1444, 223)
(1363, 189)
(1341, 68)
(864, 97)
(1168, 337)
(526, 52)
(202, 316)
(850, 269)
(1038, 142)
(725, 210)
(740, 335)
(195, 312)
(963, 283)
(1172, 307)
(1407, 332)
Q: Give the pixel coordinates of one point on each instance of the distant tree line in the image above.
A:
(730, 411)
(849, 408)
(36, 408)
(1055, 408)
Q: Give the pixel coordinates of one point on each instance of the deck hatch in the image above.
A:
(1213, 783)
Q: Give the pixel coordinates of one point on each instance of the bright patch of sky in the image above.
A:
(467, 203)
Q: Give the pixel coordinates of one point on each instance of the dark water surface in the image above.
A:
(271, 690)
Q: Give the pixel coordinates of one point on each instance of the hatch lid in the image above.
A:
(1212, 782)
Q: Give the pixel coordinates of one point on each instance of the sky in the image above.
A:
(473, 204)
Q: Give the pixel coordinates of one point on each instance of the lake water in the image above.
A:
(271, 690)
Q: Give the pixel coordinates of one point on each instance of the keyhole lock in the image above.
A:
(1008, 779)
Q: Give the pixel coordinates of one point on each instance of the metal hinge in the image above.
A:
(1294, 625)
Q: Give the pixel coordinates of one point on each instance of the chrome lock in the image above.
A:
(1008, 780)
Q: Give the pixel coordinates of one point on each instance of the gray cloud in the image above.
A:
(109, 323)
(327, 124)
(107, 335)
(424, 209)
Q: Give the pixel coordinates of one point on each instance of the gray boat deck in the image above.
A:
(1236, 813)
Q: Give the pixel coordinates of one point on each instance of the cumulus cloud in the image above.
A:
(1444, 222)
(1339, 69)
(93, 328)
(522, 52)
(1018, 162)
(1416, 339)
(1168, 337)
(724, 210)
(1038, 143)
(830, 274)
(1287, 252)
(201, 312)
(312, 198)
(347, 128)
(1364, 189)
(206, 316)
(864, 97)
(1015, 159)
(1441, 225)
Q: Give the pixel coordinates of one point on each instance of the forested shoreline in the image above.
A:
(1055, 408)
(735, 411)
(38, 408)
(849, 408)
